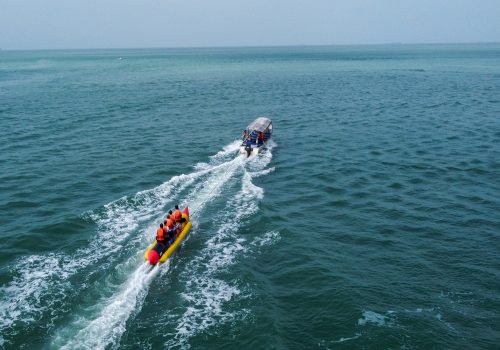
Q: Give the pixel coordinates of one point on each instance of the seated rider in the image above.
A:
(250, 138)
(177, 214)
(177, 229)
(170, 215)
(160, 236)
(170, 231)
(165, 227)
(260, 138)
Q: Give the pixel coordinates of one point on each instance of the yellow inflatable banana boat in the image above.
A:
(157, 253)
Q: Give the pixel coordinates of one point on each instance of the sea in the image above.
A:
(372, 220)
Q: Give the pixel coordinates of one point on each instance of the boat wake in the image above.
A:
(43, 282)
(110, 323)
(206, 291)
(107, 279)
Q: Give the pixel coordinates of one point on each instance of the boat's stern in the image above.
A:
(250, 150)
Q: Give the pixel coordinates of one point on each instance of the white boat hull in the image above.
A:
(255, 150)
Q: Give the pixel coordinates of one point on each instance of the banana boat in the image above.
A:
(156, 253)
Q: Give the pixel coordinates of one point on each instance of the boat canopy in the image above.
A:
(260, 124)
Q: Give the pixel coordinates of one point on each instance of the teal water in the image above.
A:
(372, 222)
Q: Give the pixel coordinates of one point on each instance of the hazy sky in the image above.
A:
(39, 24)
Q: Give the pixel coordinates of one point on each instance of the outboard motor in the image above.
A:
(248, 148)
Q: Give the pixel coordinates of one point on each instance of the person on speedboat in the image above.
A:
(249, 138)
(260, 138)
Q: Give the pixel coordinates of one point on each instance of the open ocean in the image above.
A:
(372, 222)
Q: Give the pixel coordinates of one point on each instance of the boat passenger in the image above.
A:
(170, 224)
(170, 230)
(170, 215)
(160, 235)
(177, 229)
(244, 135)
(165, 226)
(177, 214)
(260, 138)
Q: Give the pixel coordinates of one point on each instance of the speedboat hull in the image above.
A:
(256, 135)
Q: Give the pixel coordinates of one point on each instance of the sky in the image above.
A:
(73, 24)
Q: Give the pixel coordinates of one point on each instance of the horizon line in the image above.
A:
(253, 46)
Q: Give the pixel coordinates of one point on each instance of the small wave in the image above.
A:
(371, 317)
(344, 339)
(433, 313)
(327, 343)
(262, 172)
(269, 238)
(389, 318)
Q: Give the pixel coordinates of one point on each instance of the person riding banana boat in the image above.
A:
(162, 243)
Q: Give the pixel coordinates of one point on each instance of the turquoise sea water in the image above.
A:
(372, 222)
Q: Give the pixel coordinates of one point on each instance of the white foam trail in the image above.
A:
(211, 187)
(109, 326)
(103, 335)
(205, 292)
(228, 150)
(41, 281)
(262, 172)
(40, 277)
(222, 156)
(22, 299)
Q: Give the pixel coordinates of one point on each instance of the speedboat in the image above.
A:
(157, 252)
(256, 136)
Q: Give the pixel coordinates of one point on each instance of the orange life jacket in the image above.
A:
(159, 235)
(170, 223)
(177, 215)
